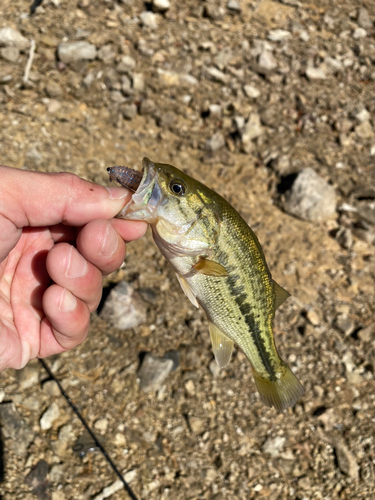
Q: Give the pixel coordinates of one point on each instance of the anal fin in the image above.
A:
(221, 345)
(280, 294)
(187, 290)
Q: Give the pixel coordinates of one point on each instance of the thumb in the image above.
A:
(41, 199)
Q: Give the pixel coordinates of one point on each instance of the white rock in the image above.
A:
(216, 142)
(359, 33)
(253, 128)
(363, 18)
(333, 64)
(130, 476)
(161, 5)
(234, 6)
(251, 91)
(138, 82)
(148, 19)
(124, 308)
(215, 110)
(279, 35)
(69, 52)
(126, 64)
(266, 62)
(101, 424)
(273, 446)
(304, 36)
(12, 38)
(314, 74)
(49, 416)
(364, 130)
(216, 75)
(363, 115)
(109, 490)
(10, 54)
(310, 197)
(28, 376)
(153, 372)
(53, 106)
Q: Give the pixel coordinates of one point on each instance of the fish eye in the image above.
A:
(177, 187)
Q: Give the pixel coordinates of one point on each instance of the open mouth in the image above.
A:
(146, 191)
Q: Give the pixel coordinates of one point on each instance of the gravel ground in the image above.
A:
(271, 104)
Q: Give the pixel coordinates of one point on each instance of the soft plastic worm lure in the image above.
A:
(125, 176)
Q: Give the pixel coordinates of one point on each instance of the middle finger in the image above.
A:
(69, 269)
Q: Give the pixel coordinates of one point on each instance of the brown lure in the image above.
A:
(125, 176)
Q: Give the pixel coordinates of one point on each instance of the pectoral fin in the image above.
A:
(210, 268)
(280, 294)
(221, 346)
(187, 290)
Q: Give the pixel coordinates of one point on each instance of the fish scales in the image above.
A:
(256, 288)
(221, 267)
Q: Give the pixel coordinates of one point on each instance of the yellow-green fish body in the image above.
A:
(221, 267)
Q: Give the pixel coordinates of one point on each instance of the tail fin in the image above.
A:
(280, 393)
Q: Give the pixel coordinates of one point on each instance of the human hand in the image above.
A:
(57, 239)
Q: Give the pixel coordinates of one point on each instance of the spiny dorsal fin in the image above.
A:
(221, 345)
(280, 294)
(210, 268)
(187, 289)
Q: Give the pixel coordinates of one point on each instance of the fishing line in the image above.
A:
(86, 425)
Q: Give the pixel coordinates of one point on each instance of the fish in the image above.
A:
(220, 266)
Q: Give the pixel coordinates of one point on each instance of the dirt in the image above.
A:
(205, 434)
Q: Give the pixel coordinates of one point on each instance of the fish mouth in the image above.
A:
(147, 194)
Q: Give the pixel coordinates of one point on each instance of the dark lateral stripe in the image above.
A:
(253, 325)
(259, 343)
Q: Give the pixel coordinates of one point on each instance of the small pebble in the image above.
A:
(149, 20)
(216, 142)
(10, 54)
(266, 62)
(129, 111)
(313, 317)
(251, 91)
(70, 52)
(161, 5)
(12, 38)
(197, 425)
(273, 446)
(279, 35)
(311, 197)
(359, 33)
(49, 416)
(315, 74)
(123, 307)
(153, 372)
(101, 425)
(234, 6)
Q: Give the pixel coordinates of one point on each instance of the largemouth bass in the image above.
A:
(221, 267)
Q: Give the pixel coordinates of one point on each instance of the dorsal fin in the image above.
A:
(280, 294)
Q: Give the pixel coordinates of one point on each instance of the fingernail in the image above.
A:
(110, 241)
(77, 265)
(67, 302)
(116, 193)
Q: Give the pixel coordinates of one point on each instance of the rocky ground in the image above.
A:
(271, 104)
